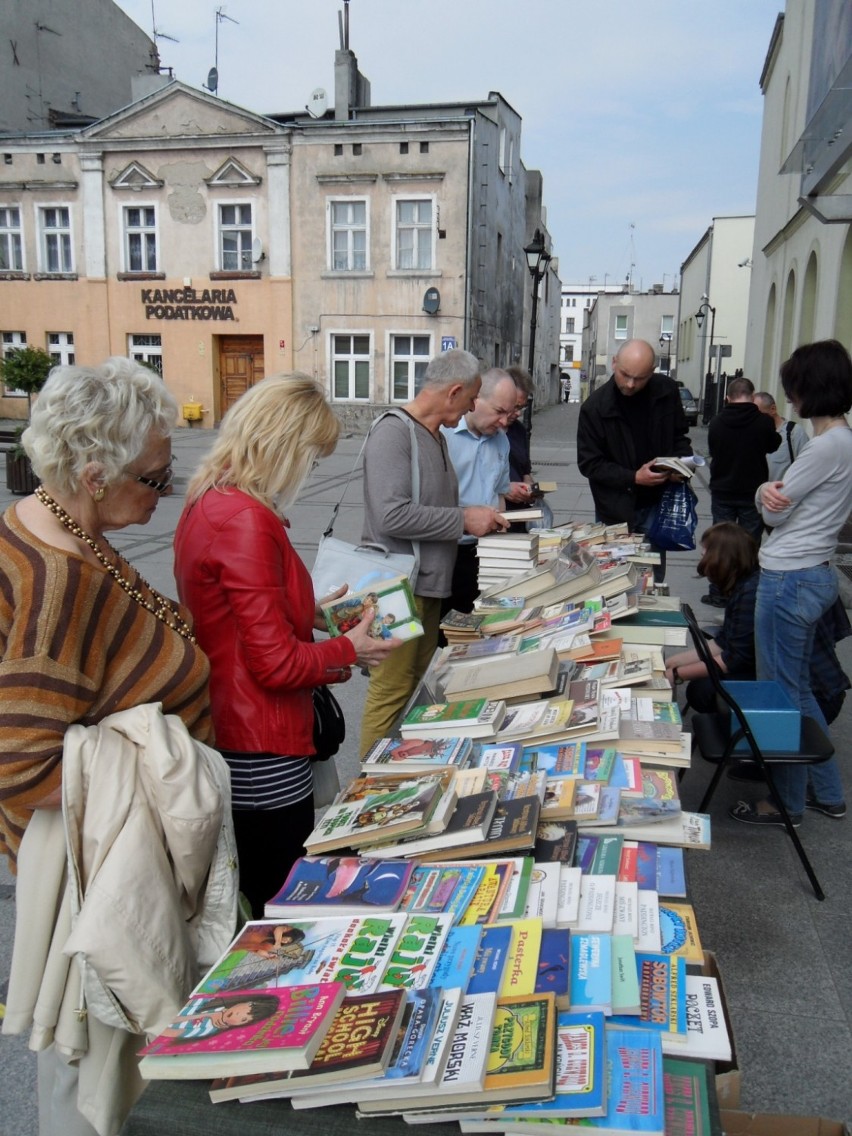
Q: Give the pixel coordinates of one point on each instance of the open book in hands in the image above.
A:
(683, 467)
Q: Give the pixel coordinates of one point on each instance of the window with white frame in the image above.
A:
(569, 325)
(409, 357)
(140, 238)
(12, 341)
(235, 237)
(55, 234)
(414, 233)
(347, 234)
(11, 239)
(621, 327)
(350, 366)
(666, 326)
(148, 350)
(60, 347)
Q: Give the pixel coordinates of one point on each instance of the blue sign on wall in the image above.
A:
(448, 342)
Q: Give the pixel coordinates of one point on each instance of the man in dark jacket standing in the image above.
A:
(738, 441)
(624, 426)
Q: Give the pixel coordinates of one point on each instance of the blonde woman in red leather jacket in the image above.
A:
(255, 614)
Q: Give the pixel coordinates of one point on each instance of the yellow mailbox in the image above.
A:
(193, 411)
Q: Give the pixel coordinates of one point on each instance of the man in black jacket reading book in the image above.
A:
(634, 418)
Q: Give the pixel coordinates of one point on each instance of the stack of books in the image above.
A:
(504, 555)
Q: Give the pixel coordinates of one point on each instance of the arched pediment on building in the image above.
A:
(232, 174)
(134, 176)
(177, 111)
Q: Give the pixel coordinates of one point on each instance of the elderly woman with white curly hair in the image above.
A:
(83, 636)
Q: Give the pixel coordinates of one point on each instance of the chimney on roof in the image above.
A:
(351, 89)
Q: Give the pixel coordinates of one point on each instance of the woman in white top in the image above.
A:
(798, 582)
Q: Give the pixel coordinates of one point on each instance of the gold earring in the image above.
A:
(99, 494)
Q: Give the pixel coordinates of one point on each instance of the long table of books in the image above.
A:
(491, 928)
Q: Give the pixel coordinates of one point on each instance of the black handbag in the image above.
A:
(329, 724)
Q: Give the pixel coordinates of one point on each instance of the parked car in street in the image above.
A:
(690, 406)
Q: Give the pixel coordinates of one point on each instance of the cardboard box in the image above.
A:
(775, 722)
(781, 1124)
(728, 1076)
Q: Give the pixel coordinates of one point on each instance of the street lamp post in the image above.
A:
(538, 259)
(703, 308)
(666, 338)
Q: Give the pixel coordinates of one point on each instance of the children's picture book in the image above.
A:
(392, 601)
(358, 1044)
(255, 1031)
(417, 754)
(340, 885)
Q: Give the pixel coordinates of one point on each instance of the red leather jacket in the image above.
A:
(252, 603)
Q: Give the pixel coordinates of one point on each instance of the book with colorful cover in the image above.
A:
(607, 856)
(635, 1091)
(513, 901)
(521, 1061)
(671, 873)
(463, 654)
(478, 717)
(415, 954)
(455, 966)
(558, 803)
(626, 773)
(553, 973)
(659, 783)
(609, 805)
(690, 1097)
(662, 995)
(484, 905)
(580, 1083)
(467, 827)
(587, 845)
(519, 974)
(627, 864)
(679, 932)
(634, 810)
(407, 1062)
(256, 1031)
(591, 972)
(506, 758)
(417, 754)
(463, 1075)
(350, 823)
(491, 958)
(358, 1044)
(266, 955)
(686, 830)
(392, 602)
(340, 885)
(646, 864)
(562, 759)
(599, 764)
(434, 889)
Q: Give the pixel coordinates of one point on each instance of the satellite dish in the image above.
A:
(213, 80)
(318, 104)
(257, 253)
(431, 301)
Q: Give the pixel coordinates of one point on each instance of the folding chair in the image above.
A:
(717, 741)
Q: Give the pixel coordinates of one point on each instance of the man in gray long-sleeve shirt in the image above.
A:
(396, 519)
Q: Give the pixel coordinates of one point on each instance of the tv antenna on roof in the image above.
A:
(212, 83)
(157, 34)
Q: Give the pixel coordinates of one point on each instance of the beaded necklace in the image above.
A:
(163, 611)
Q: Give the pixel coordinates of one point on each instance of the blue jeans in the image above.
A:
(788, 607)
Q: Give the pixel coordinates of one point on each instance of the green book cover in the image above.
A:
(607, 856)
(625, 977)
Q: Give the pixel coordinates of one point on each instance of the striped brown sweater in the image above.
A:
(74, 647)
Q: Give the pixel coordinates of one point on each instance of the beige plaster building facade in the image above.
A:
(218, 245)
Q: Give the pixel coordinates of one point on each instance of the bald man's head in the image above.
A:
(633, 366)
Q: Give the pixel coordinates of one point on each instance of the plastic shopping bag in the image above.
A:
(672, 525)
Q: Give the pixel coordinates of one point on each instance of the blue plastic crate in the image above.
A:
(775, 722)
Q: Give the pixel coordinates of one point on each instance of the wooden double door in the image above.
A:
(240, 367)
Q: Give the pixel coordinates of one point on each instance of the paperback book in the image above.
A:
(417, 754)
(339, 885)
(475, 718)
(392, 602)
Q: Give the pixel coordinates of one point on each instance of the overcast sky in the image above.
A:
(644, 116)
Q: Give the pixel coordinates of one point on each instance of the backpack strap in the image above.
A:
(789, 431)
